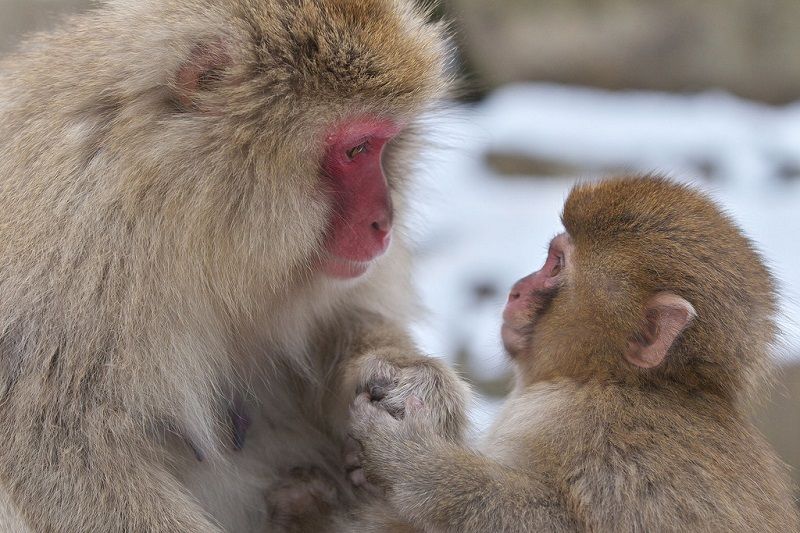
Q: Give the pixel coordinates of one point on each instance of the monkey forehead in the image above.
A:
(642, 206)
(381, 49)
(655, 217)
(651, 220)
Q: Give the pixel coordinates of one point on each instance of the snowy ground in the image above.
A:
(477, 232)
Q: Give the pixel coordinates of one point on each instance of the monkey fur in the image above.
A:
(170, 353)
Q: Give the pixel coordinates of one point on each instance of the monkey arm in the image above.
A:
(439, 485)
(450, 488)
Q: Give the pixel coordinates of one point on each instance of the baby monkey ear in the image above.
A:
(204, 68)
(666, 316)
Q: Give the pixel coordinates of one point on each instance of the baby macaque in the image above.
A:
(636, 347)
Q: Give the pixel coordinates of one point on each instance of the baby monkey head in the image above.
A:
(651, 282)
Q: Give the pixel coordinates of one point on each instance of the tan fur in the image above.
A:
(589, 442)
(155, 252)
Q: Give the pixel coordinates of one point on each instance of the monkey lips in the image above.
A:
(361, 220)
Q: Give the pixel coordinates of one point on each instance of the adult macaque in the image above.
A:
(195, 266)
(635, 345)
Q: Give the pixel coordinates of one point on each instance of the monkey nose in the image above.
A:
(513, 295)
(382, 218)
(382, 225)
(382, 229)
(385, 238)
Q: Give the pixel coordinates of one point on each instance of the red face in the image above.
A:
(531, 295)
(361, 222)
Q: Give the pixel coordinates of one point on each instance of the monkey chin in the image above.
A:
(345, 269)
(518, 324)
(340, 268)
(514, 340)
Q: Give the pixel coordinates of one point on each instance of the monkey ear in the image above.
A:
(666, 316)
(204, 68)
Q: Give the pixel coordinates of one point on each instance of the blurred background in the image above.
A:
(562, 90)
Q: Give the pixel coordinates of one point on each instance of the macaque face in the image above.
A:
(304, 98)
(531, 296)
(360, 227)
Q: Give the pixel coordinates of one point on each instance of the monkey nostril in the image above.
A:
(382, 225)
(382, 230)
(513, 296)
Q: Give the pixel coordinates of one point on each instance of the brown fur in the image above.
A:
(589, 442)
(155, 252)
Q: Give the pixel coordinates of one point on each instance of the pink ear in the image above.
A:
(204, 66)
(667, 315)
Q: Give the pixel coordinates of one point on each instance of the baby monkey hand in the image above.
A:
(379, 442)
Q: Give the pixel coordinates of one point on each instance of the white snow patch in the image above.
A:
(477, 230)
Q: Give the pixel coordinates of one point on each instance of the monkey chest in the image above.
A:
(280, 457)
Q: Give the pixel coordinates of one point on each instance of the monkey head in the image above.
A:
(276, 134)
(651, 282)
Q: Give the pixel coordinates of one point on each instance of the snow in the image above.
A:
(477, 232)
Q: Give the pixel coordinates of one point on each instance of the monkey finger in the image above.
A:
(351, 445)
(358, 479)
(393, 404)
(352, 461)
(368, 421)
(378, 391)
(352, 453)
(362, 399)
(364, 407)
(361, 409)
(376, 377)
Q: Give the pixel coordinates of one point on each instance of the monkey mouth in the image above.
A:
(338, 267)
(520, 317)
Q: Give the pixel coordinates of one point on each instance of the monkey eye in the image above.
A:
(361, 148)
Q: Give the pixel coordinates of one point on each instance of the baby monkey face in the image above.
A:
(531, 296)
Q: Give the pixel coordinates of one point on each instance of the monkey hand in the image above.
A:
(391, 381)
(300, 499)
(379, 444)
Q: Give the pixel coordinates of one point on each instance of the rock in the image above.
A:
(18, 17)
(749, 47)
(779, 418)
